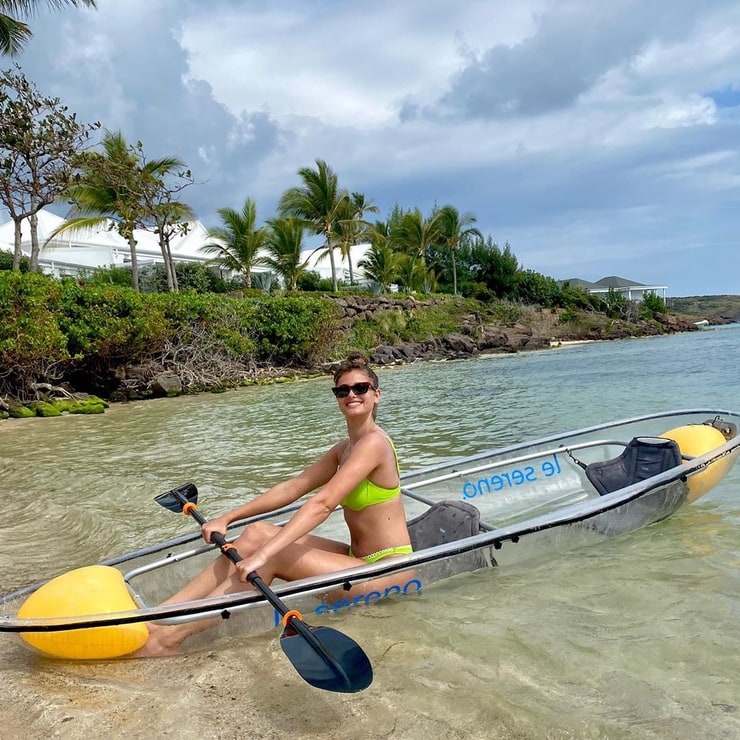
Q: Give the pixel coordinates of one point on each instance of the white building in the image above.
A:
(72, 252)
(322, 264)
(630, 289)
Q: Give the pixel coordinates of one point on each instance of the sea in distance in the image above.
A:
(638, 637)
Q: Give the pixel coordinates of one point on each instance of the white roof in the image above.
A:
(101, 246)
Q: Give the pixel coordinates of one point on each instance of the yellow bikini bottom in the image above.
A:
(388, 552)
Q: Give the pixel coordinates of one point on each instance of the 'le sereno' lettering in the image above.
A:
(412, 586)
(512, 478)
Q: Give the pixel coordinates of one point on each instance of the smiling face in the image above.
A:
(356, 403)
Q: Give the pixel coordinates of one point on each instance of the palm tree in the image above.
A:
(353, 226)
(321, 204)
(239, 241)
(381, 263)
(413, 233)
(115, 185)
(102, 190)
(284, 244)
(414, 275)
(455, 229)
(15, 33)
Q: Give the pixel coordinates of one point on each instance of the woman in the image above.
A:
(359, 473)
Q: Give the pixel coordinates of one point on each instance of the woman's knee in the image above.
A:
(254, 536)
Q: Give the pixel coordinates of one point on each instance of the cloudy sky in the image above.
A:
(596, 138)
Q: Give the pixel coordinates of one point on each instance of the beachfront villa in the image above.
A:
(69, 254)
(72, 253)
(630, 289)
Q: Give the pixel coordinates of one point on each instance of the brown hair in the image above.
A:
(356, 361)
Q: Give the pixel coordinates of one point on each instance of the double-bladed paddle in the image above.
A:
(324, 657)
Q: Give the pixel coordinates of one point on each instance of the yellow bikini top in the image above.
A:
(368, 493)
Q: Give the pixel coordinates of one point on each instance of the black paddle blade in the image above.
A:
(175, 499)
(337, 663)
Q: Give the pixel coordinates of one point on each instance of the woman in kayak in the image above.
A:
(359, 473)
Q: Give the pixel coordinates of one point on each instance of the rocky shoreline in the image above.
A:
(475, 336)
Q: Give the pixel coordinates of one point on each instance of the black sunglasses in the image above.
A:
(359, 389)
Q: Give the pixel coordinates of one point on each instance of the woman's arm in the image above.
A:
(369, 453)
(281, 494)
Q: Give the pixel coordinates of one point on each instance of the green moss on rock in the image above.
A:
(20, 412)
(65, 405)
(88, 407)
(44, 408)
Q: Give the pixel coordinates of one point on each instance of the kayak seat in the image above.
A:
(443, 522)
(642, 458)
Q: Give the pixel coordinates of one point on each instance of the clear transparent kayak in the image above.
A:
(486, 510)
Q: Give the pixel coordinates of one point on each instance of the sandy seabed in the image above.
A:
(246, 690)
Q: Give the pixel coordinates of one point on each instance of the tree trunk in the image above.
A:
(454, 274)
(169, 267)
(171, 263)
(33, 220)
(17, 253)
(349, 262)
(334, 284)
(134, 262)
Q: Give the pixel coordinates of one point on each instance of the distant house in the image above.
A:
(630, 289)
(71, 253)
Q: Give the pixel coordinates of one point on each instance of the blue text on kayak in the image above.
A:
(411, 586)
(512, 478)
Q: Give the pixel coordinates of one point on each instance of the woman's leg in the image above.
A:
(311, 555)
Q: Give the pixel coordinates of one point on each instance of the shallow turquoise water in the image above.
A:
(638, 638)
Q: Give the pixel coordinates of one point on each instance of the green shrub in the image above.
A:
(651, 304)
(31, 341)
(312, 281)
(568, 316)
(6, 261)
(294, 328)
(505, 313)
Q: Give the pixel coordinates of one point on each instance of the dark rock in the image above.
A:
(166, 385)
(460, 344)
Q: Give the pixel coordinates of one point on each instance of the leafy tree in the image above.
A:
(284, 244)
(575, 295)
(321, 204)
(15, 33)
(38, 144)
(455, 229)
(651, 304)
(162, 181)
(496, 268)
(239, 241)
(534, 288)
(619, 307)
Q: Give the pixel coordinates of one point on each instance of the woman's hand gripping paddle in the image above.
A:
(324, 657)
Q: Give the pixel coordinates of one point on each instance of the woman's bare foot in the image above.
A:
(162, 641)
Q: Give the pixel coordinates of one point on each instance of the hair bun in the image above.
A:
(357, 359)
